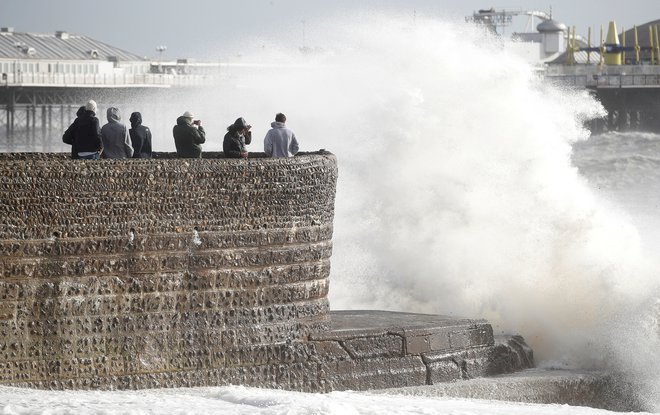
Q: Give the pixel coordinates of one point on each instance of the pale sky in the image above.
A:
(189, 28)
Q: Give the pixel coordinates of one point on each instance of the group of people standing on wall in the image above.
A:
(189, 135)
(115, 140)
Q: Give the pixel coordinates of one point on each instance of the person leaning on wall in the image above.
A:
(87, 135)
(189, 135)
(140, 137)
(237, 137)
(116, 139)
(68, 136)
(280, 141)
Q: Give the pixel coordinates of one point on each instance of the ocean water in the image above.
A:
(624, 168)
(466, 187)
(248, 401)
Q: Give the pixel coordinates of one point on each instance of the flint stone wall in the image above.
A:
(164, 272)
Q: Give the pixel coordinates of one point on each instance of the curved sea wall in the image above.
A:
(164, 272)
(126, 274)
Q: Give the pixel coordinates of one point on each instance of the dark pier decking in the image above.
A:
(629, 93)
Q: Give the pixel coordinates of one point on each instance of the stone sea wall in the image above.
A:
(126, 274)
(164, 272)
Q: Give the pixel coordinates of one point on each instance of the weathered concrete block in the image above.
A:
(482, 335)
(370, 347)
(418, 344)
(377, 373)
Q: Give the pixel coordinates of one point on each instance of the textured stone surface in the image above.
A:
(369, 349)
(168, 273)
(163, 272)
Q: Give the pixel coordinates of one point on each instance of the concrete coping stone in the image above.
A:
(350, 324)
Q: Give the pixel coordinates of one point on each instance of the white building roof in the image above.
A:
(58, 46)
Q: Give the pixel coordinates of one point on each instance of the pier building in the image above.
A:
(44, 78)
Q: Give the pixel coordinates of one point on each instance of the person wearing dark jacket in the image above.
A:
(189, 136)
(68, 136)
(140, 137)
(237, 137)
(87, 135)
(116, 140)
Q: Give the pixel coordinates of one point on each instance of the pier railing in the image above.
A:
(625, 76)
(103, 80)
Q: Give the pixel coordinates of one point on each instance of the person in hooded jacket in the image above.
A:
(237, 137)
(280, 141)
(189, 136)
(116, 140)
(87, 138)
(140, 137)
(68, 136)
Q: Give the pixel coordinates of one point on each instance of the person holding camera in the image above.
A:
(237, 137)
(189, 135)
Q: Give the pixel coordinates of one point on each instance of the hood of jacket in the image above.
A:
(113, 114)
(87, 117)
(183, 120)
(136, 119)
(277, 124)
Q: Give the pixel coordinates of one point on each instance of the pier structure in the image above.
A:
(44, 78)
(622, 71)
(629, 93)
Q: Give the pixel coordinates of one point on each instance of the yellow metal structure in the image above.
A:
(623, 43)
(602, 47)
(657, 45)
(652, 46)
(569, 52)
(636, 46)
(612, 58)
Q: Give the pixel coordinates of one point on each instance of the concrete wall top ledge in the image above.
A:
(210, 155)
(49, 194)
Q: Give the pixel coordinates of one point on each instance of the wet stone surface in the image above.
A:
(370, 349)
(166, 272)
(125, 274)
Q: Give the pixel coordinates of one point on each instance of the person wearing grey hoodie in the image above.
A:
(280, 141)
(116, 139)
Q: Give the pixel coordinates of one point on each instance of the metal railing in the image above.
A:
(607, 81)
(623, 81)
(102, 80)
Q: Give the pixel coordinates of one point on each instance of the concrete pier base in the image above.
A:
(379, 349)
